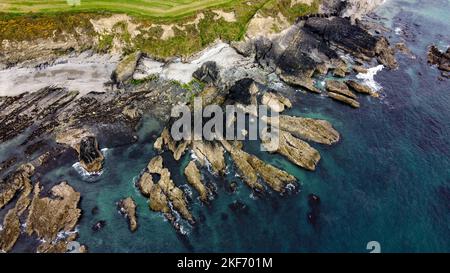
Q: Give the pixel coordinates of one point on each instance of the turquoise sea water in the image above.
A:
(388, 180)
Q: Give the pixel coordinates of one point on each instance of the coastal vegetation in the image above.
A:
(159, 28)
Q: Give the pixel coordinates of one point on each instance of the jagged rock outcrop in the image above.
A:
(10, 232)
(90, 156)
(438, 58)
(311, 46)
(49, 217)
(339, 91)
(275, 101)
(359, 87)
(252, 169)
(208, 73)
(210, 153)
(320, 131)
(164, 195)
(177, 148)
(295, 150)
(127, 207)
(194, 178)
(352, 39)
(240, 92)
(126, 67)
(14, 183)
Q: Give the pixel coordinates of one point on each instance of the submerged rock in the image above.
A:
(91, 158)
(127, 207)
(98, 226)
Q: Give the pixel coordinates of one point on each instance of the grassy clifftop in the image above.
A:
(162, 28)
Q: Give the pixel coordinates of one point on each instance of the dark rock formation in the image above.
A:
(208, 73)
(91, 158)
(240, 91)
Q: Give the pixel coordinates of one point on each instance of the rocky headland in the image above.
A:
(56, 122)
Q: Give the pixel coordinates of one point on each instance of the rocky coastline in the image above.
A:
(55, 121)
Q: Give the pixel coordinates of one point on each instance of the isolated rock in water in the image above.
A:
(275, 101)
(339, 88)
(98, 226)
(438, 58)
(208, 73)
(320, 131)
(14, 183)
(127, 207)
(125, 69)
(251, 168)
(358, 87)
(210, 153)
(48, 217)
(296, 150)
(195, 180)
(91, 158)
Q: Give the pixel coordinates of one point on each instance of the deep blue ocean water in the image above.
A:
(388, 180)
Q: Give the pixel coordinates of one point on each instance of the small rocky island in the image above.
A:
(56, 123)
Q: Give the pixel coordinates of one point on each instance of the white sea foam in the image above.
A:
(398, 31)
(368, 78)
(85, 175)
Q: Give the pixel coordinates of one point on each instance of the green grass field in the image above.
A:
(53, 19)
(147, 8)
